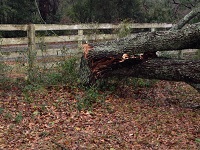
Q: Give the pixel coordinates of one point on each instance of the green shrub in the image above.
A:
(124, 29)
(69, 71)
(65, 72)
(3, 74)
(139, 82)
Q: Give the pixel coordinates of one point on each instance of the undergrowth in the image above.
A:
(90, 97)
(66, 74)
(3, 74)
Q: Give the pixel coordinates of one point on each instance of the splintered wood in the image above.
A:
(86, 48)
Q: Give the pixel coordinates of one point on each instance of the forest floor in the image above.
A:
(157, 117)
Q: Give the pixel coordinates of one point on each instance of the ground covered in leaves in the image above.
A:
(157, 117)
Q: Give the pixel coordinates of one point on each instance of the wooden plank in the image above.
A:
(95, 37)
(13, 27)
(51, 39)
(13, 41)
(150, 25)
(40, 27)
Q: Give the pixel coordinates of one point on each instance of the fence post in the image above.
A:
(31, 49)
(80, 40)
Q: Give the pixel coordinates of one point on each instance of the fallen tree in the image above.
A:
(102, 60)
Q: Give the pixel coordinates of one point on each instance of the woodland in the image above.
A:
(120, 94)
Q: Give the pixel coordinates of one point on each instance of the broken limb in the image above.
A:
(186, 38)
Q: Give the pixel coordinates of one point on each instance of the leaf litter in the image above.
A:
(148, 118)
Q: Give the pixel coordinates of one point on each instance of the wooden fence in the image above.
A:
(33, 28)
(31, 40)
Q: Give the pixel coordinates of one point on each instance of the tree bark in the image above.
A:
(159, 68)
(187, 38)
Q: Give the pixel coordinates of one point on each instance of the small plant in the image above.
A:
(19, 117)
(90, 97)
(27, 97)
(197, 140)
(139, 82)
(124, 29)
(8, 116)
(35, 113)
(42, 45)
(52, 78)
(1, 110)
(32, 87)
(4, 70)
(64, 73)
(68, 70)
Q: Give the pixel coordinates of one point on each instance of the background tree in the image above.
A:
(4, 11)
(17, 11)
(65, 11)
(49, 10)
(182, 7)
(157, 10)
(106, 11)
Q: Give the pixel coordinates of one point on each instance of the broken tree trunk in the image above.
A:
(157, 68)
(102, 60)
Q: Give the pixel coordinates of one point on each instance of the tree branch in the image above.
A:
(187, 18)
(187, 38)
(189, 7)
